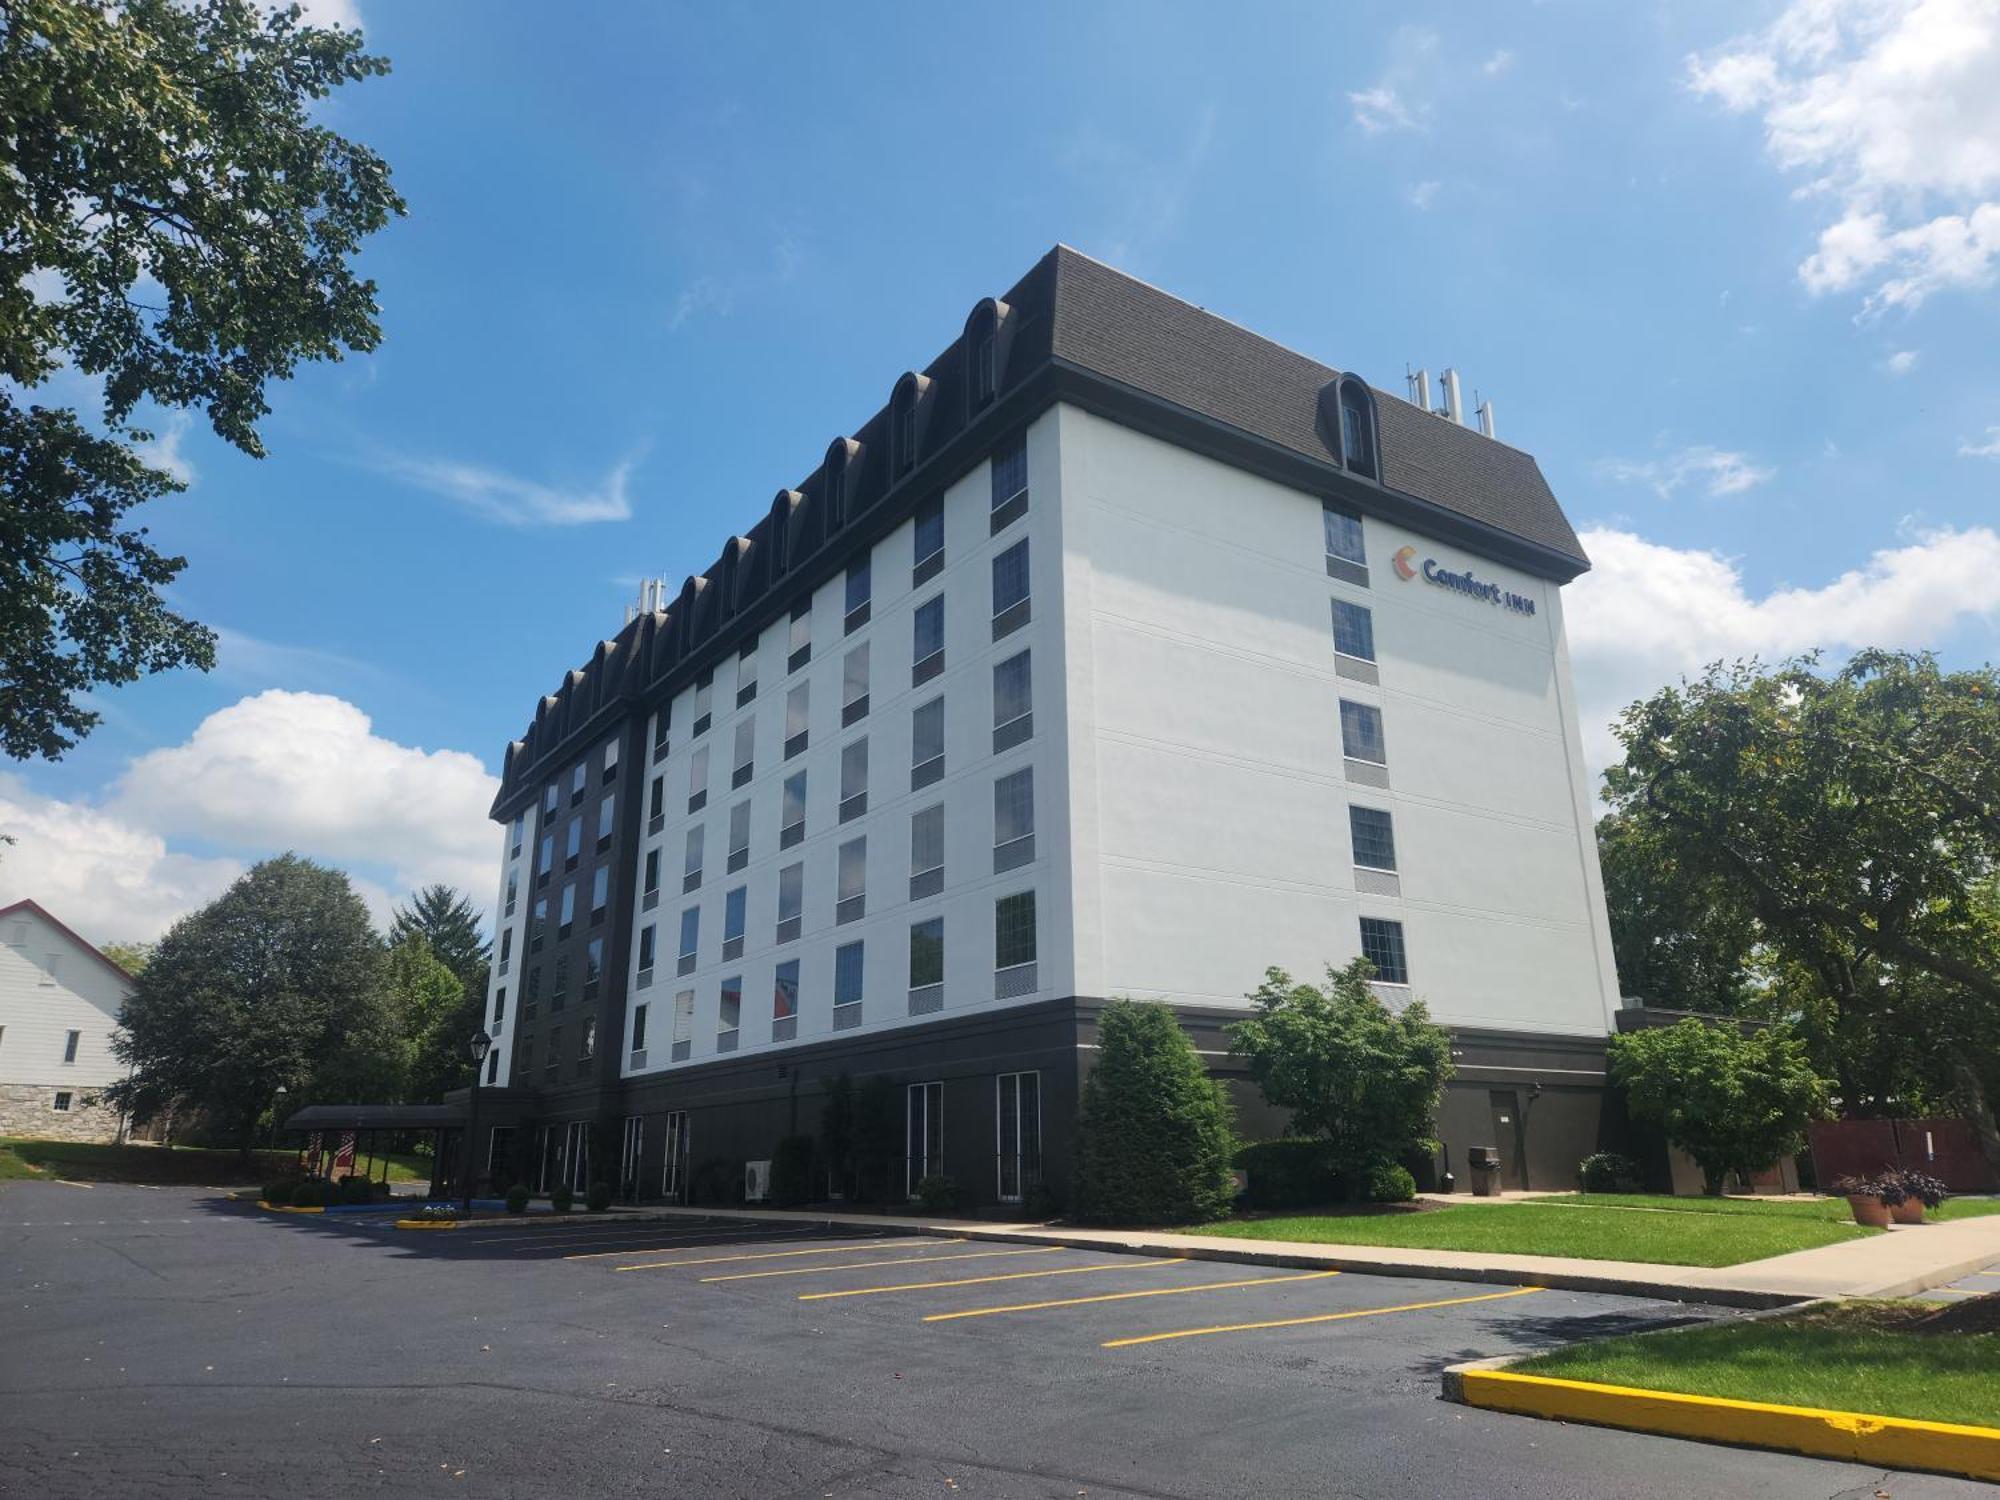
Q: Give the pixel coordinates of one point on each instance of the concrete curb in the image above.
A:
(286, 1208)
(427, 1223)
(1853, 1437)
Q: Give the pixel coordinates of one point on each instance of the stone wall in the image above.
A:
(27, 1109)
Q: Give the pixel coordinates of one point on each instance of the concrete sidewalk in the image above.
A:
(1899, 1262)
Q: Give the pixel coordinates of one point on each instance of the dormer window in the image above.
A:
(981, 343)
(1357, 428)
(985, 374)
(906, 439)
(833, 484)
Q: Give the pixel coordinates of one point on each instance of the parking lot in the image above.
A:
(166, 1343)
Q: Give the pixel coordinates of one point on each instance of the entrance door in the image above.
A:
(544, 1144)
(1510, 1136)
(673, 1175)
(1018, 1119)
(629, 1151)
(925, 1138)
(576, 1156)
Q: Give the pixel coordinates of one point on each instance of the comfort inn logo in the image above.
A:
(1405, 561)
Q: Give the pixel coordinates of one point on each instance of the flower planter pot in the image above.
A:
(1909, 1211)
(1869, 1210)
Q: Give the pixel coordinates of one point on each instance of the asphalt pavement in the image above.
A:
(170, 1343)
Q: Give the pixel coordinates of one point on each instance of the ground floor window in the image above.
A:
(1018, 1121)
(673, 1176)
(925, 1139)
(572, 1156)
(629, 1151)
(63, 1101)
(500, 1155)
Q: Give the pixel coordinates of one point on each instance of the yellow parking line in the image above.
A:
(921, 1286)
(718, 1260)
(1156, 1291)
(1986, 1273)
(528, 1236)
(863, 1265)
(630, 1247)
(1365, 1312)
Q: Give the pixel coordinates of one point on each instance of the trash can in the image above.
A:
(1483, 1162)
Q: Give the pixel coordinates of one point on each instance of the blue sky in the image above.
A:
(1725, 269)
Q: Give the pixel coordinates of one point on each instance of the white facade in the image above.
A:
(60, 1000)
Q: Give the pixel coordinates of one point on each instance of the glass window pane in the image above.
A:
(854, 675)
(854, 769)
(1343, 535)
(853, 877)
(795, 800)
(1382, 946)
(1353, 630)
(1014, 930)
(1014, 806)
(859, 585)
(1361, 732)
(927, 732)
(798, 704)
(930, 529)
(1013, 689)
(733, 907)
(1010, 471)
(691, 865)
(791, 891)
(785, 991)
(730, 1015)
(847, 972)
(1374, 837)
(1010, 577)
(739, 827)
(927, 953)
(929, 627)
(690, 930)
(927, 839)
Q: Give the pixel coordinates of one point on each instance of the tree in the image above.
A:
(175, 224)
(430, 1006)
(1854, 817)
(1366, 1079)
(448, 923)
(1735, 1099)
(1155, 1136)
(1681, 940)
(131, 957)
(278, 983)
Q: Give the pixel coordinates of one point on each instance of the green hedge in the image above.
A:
(1154, 1130)
(1291, 1173)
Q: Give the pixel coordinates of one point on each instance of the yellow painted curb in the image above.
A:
(427, 1223)
(1890, 1442)
(286, 1208)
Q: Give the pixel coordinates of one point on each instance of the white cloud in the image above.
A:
(277, 771)
(1381, 108)
(702, 295)
(1988, 449)
(1647, 614)
(1890, 109)
(1399, 99)
(164, 449)
(1498, 63)
(1422, 195)
(512, 500)
(342, 13)
(1901, 363)
(1717, 471)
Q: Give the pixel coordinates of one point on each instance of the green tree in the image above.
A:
(278, 983)
(430, 1009)
(1681, 940)
(1735, 1099)
(131, 957)
(1854, 817)
(1154, 1132)
(448, 923)
(175, 224)
(1364, 1078)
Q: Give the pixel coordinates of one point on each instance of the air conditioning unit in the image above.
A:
(756, 1181)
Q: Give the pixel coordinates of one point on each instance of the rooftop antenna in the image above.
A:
(1454, 404)
(1420, 388)
(1484, 412)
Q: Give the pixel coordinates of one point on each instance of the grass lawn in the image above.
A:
(1567, 1227)
(1858, 1357)
(22, 1159)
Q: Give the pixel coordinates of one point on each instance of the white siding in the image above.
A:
(38, 1010)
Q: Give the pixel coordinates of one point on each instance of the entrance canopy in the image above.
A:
(377, 1117)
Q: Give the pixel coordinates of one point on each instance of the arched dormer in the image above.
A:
(779, 532)
(985, 354)
(909, 405)
(842, 455)
(1347, 425)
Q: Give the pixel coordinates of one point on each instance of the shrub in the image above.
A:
(278, 1193)
(1889, 1188)
(598, 1198)
(1290, 1173)
(937, 1194)
(1606, 1172)
(792, 1170)
(561, 1199)
(1155, 1138)
(716, 1180)
(517, 1198)
(1389, 1183)
(356, 1190)
(1042, 1203)
(1855, 1187)
(312, 1192)
(1922, 1185)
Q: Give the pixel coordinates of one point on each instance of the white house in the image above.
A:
(60, 1000)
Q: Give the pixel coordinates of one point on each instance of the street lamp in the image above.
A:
(478, 1046)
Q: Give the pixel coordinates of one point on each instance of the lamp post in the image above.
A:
(479, 1046)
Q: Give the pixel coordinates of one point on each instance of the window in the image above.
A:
(527, 1055)
(906, 437)
(683, 1037)
(514, 838)
(926, 744)
(639, 1027)
(531, 996)
(506, 948)
(734, 906)
(851, 892)
(545, 858)
(690, 938)
(798, 718)
(1382, 946)
(985, 369)
(593, 968)
(63, 1100)
(606, 814)
(925, 1139)
(1010, 589)
(1353, 630)
(538, 924)
(785, 992)
(739, 836)
(1013, 702)
(927, 852)
(860, 589)
(729, 1015)
(1374, 837)
(579, 778)
(656, 805)
(847, 973)
(854, 686)
(51, 967)
(559, 986)
(926, 966)
(1018, 1122)
(929, 543)
(1014, 820)
(704, 701)
(568, 918)
(746, 674)
(698, 779)
(554, 1064)
(572, 843)
(791, 901)
(801, 646)
(854, 779)
(1357, 429)
(792, 815)
(1361, 732)
(1346, 555)
(927, 643)
(500, 1005)
(652, 876)
(610, 760)
(493, 1072)
(662, 720)
(70, 1041)
(600, 891)
(1010, 484)
(648, 939)
(551, 794)
(586, 1041)
(741, 768)
(513, 892)
(1014, 945)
